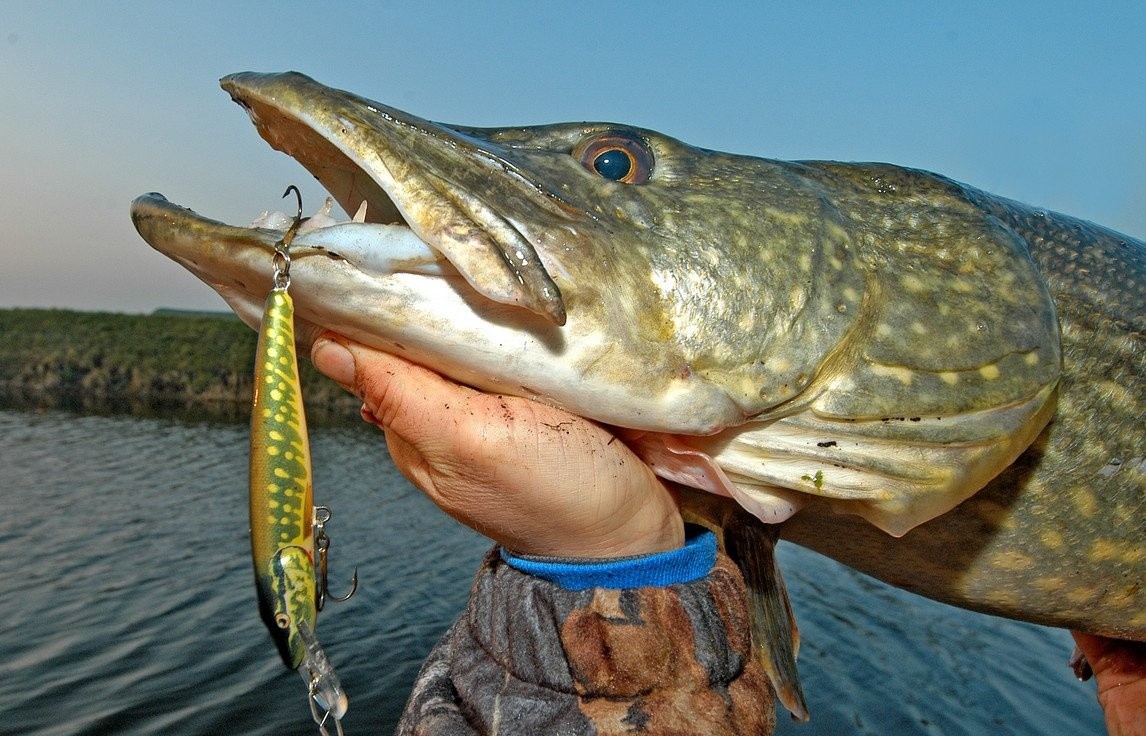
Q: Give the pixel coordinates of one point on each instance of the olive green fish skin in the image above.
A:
(1059, 537)
(879, 321)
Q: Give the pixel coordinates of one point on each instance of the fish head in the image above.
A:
(549, 278)
(636, 280)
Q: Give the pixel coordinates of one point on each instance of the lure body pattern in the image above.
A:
(281, 495)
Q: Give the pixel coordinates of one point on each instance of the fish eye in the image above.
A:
(616, 156)
(282, 621)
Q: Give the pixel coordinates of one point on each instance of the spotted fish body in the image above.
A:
(281, 498)
(1059, 536)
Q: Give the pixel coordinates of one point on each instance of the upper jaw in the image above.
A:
(408, 170)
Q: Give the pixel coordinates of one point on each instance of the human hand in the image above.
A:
(531, 477)
(1120, 670)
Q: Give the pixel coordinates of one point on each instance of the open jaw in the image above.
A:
(419, 235)
(406, 171)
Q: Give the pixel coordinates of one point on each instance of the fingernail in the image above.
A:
(335, 361)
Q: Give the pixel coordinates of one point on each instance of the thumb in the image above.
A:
(385, 383)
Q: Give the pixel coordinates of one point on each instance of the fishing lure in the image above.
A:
(286, 528)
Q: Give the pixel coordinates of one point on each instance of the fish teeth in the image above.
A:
(272, 220)
(321, 218)
(275, 220)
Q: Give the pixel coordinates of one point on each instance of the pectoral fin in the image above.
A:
(751, 545)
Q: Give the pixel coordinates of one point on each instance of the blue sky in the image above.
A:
(99, 102)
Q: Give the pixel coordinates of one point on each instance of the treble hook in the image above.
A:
(322, 515)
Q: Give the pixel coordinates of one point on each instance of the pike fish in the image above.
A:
(934, 385)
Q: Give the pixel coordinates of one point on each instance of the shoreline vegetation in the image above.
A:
(168, 363)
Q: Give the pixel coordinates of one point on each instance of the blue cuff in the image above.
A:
(691, 562)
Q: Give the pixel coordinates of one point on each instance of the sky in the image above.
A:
(1044, 102)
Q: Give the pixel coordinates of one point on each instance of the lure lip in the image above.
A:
(322, 682)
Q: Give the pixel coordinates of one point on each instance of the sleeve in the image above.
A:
(657, 644)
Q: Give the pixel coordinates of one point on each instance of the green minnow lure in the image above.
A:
(282, 512)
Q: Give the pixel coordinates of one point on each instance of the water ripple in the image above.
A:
(129, 606)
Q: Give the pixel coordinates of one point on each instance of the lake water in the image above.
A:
(128, 605)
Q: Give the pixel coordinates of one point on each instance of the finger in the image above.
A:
(440, 434)
(399, 395)
(1113, 659)
(331, 358)
(1120, 669)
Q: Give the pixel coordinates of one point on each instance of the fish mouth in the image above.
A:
(237, 261)
(408, 171)
(399, 172)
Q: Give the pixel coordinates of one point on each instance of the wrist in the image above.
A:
(632, 540)
(648, 527)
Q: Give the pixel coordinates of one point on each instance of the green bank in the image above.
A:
(168, 361)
